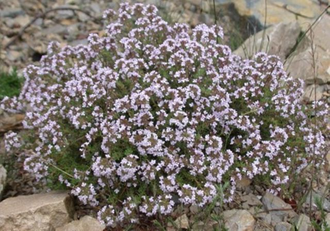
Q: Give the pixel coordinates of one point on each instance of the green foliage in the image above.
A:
(322, 224)
(10, 84)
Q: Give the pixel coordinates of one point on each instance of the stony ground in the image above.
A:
(70, 22)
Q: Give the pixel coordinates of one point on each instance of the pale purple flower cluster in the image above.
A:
(12, 141)
(150, 112)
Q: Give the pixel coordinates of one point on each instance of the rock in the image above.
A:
(182, 222)
(207, 225)
(303, 223)
(82, 17)
(78, 42)
(280, 11)
(170, 228)
(262, 226)
(30, 32)
(194, 209)
(327, 219)
(251, 200)
(11, 23)
(22, 20)
(40, 43)
(238, 220)
(73, 2)
(14, 55)
(86, 223)
(65, 14)
(11, 12)
(271, 41)
(9, 122)
(56, 29)
(96, 9)
(3, 177)
(244, 182)
(312, 57)
(32, 7)
(73, 31)
(46, 211)
(317, 196)
(202, 18)
(199, 225)
(283, 226)
(283, 212)
(265, 217)
(39, 22)
(68, 22)
(321, 32)
(309, 94)
(302, 66)
(10, 4)
(92, 27)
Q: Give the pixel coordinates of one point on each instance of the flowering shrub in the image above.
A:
(150, 115)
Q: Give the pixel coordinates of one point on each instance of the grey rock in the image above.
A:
(266, 218)
(238, 220)
(42, 212)
(82, 17)
(272, 202)
(302, 223)
(73, 30)
(56, 29)
(10, 23)
(206, 18)
(283, 226)
(11, 12)
(96, 8)
(65, 14)
(80, 41)
(86, 223)
(3, 177)
(73, 2)
(39, 22)
(152, 2)
(271, 41)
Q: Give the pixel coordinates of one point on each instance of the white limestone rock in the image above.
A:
(42, 212)
(86, 223)
(239, 220)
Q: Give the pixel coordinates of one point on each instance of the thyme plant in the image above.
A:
(151, 115)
